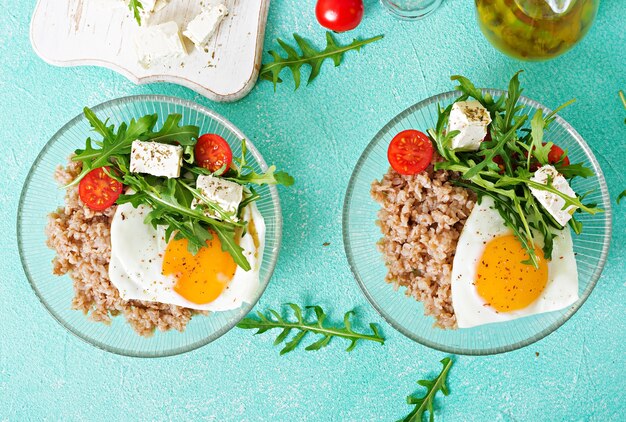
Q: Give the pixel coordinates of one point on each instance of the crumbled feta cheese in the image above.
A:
(159, 43)
(551, 201)
(226, 194)
(471, 119)
(202, 27)
(151, 6)
(156, 159)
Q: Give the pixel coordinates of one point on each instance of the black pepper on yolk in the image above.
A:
(503, 281)
(201, 278)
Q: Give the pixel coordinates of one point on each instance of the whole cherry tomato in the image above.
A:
(339, 15)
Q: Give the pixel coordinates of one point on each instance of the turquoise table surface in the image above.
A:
(317, 133)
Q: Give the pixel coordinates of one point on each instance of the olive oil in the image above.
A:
(535, 29)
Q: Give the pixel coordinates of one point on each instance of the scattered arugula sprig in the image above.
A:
(303, 327)
(518, 148)
(427, 402)
(135, 6)
(171, 200)
(309, 56)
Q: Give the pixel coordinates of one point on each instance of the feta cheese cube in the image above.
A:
(471, 119)
(159, 43)
(202, 27)
(551, 201)
(156, 159)
(226, 194)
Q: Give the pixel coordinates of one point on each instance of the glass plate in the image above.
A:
(41, 195)
(404, 313)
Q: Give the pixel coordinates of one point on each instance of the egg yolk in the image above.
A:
(200, 278)
(503, 281)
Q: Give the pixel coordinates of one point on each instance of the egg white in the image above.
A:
(483, 225)
(137, 251)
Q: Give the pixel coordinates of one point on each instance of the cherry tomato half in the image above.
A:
(213, 152)
(410, 152)
(339, 15)
(98, 190)
(555, 154)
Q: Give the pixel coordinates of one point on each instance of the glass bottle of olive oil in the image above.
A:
(535, 29)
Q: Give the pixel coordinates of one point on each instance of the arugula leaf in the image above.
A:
(249, 198)
(468, 90)
(226, 234)
(309, 56)
(303, 327)
(427, 402)
(569, 200)
(134, 6)
(512, 97)
(270, 177)
(576, 225)
(441, 137)
(512, 219)
(242, 173)
(98, 125)
(552, 115)
(509, 184)
(204, 203)
(540, 151)
(489, 154)
(573, 170)
(112, 145)
(172, 133)
(171, 207)
(172, 200)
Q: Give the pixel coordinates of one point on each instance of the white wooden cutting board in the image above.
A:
(83, 32)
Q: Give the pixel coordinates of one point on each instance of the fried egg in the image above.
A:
(490, 283)
(144, 266)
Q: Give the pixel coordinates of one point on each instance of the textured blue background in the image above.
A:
(317, 134)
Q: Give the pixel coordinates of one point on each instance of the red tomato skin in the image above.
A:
(555, 154)
(500, 162)
(412, 146)
(339, 15)
(212, 152)
(98, 190)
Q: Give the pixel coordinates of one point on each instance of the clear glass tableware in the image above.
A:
(535, 29)
(405, 314)
(411, 9)
(41, 195)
